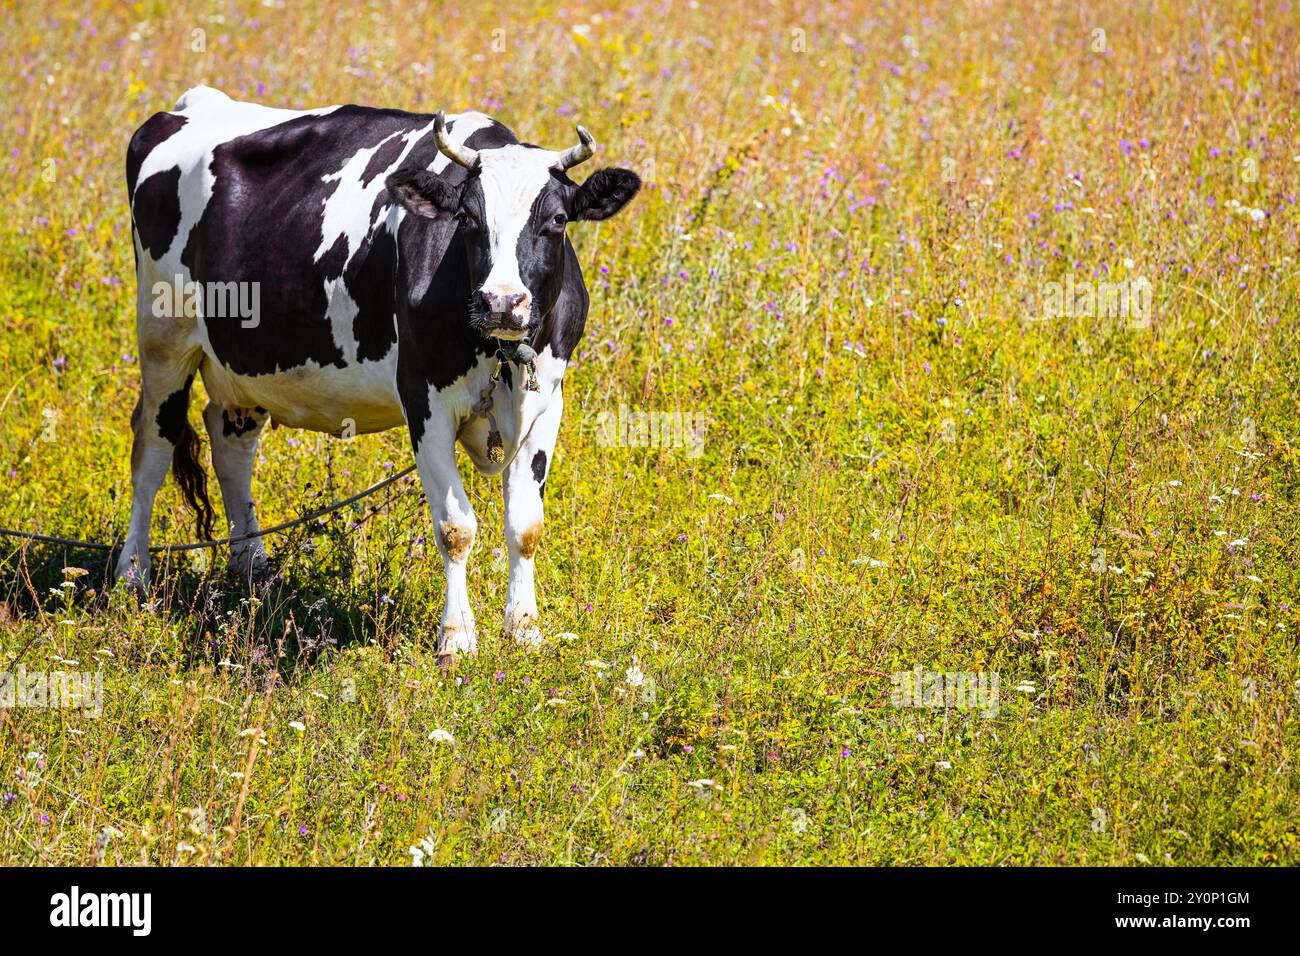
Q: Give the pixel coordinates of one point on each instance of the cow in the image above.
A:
(349, 270)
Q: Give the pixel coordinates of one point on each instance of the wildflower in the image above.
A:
(442, 736)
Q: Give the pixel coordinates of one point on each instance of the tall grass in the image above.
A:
(852, 217)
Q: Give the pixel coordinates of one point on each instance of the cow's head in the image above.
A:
(511, 213)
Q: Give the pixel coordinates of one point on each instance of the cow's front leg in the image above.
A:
(454, 526)
(523, 486)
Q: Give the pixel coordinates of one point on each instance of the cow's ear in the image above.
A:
(423, 193)
(605, 192)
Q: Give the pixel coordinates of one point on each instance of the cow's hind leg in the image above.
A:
(162, 436)
(233, 434)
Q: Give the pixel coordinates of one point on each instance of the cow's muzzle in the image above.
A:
(507, 312)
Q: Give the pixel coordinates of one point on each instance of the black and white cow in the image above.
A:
(389, 256)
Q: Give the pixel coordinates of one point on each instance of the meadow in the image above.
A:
(858, 260)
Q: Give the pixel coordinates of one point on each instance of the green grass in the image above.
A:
(901, 466)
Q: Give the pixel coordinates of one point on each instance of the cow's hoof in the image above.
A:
(521, 627)
(455, 639)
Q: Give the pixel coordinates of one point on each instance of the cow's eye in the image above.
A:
(558, 220)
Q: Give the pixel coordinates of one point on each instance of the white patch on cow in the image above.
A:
(346, 211)
(512, 178)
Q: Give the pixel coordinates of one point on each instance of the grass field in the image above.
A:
(856, 259)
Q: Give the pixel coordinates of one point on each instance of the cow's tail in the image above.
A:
(193, 480)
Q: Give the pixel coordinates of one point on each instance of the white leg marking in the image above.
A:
(524, 521)
(454, 526)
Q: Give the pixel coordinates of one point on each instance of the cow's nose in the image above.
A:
(504, 302)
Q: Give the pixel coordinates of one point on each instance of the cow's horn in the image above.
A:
(574, 155)
(461, 155)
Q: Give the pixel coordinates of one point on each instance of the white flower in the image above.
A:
(1026, 687)
(298, 725)
(635, 676)
(597, 663)
(420, 851)
(442, 736)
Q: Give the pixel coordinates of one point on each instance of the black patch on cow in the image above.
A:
(154, 130)
(157, 211)
(231, 426)
(369, 280)
(384, 157)
(173, 412)
(331, 264)
(563, 326)
(539, 467)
